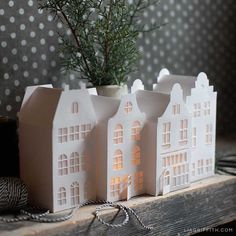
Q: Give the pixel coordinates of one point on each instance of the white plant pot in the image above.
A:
(114, 91)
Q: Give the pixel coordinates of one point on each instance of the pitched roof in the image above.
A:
(152, 104)
(166, 82)
(41, 106)
(105, 107)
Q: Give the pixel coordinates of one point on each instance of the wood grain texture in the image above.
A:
(207, 203)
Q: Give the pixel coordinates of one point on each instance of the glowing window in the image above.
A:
(118, 160)
(135, 130)
(62, 165)
(138, 181)
(118, 134)
(75, 108)
(61, 196)
(62, 135)
(74, 162)
(136, 156)
(115, 187)
(128, 107)
(166, 134)
(74, 191)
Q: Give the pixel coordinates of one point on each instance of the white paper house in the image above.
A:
(55, 142)
(167, 140)
(120, 164)
(201, 102)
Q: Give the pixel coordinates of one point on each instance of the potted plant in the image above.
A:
(102, 45)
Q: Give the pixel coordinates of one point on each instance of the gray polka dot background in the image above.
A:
(200, 36)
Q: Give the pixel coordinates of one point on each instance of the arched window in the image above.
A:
(128, 107)
(118, 134)
(61, 196)
(83, 161)
(136, 156)
(75, 108)
(74, 162)
(135, 130)
(62, 165)
(118, 160)
(167, 178)
(74, 191)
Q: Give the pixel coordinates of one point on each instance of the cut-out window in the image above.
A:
(62, 135)
(118, 134)
(136, 156)
(75, 108)
(166, 135)
(197, 109)
(194, 136)
(62, 165)
(74, 191)
(207, 108)
(74, 133)
(176, 109)
(183, 132)
(85, 130)
(200, 167)
(83, 161)
(117, 160)
(115, 187)
(61, 196)
(138, 181)
(167, 178)
(135, 130)
(74, 162)
(209, 165)
(209, 134)
(128, 107)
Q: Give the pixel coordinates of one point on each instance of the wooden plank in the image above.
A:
(207, 203)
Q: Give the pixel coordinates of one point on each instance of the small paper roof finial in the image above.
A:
(137, 85)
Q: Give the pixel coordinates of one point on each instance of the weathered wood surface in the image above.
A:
(207, 203)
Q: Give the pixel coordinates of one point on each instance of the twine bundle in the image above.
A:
(14, 196)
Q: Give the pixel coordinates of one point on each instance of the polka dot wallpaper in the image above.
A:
(200, 36)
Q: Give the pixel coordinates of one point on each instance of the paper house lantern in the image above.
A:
(54, 139)
(167, 140)
(76, 146)
(119, 148)
(200, 99)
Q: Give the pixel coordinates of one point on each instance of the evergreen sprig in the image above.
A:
(104, 35)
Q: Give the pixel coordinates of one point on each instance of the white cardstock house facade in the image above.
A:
(75, 146)
(201, 103)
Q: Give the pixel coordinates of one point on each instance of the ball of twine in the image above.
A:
(13, 194)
